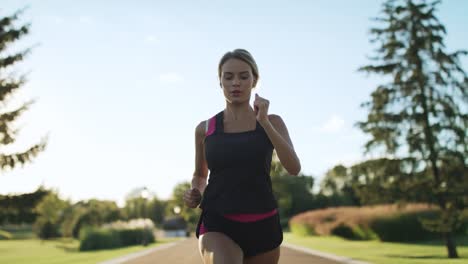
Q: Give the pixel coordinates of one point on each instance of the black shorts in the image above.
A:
(252, 237)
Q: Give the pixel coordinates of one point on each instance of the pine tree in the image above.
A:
(421, 114)
(9, 84)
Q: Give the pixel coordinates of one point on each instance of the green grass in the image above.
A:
(431, 252)
(59, 251)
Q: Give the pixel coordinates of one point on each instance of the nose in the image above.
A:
(235, 81)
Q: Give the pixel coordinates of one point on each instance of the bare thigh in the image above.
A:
(269, 257)
(216, 248)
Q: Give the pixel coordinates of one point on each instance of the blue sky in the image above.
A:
(121, 85)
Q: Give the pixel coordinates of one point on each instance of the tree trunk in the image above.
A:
(433, 155)
(451, 248)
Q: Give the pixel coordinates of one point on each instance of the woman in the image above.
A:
(239, 221)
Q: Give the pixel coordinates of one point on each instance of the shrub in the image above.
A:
(353, 232)
(372, 222)
(5, 235)
(366, 233)
(345, 231)
(22, 231)
(105, 238)
(284, 222)
(93, 239)
(135, 236)
(45, 229)
(387, 222)
(404, 227)
(302, 229)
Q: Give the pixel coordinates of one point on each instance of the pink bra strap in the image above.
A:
(210, 126)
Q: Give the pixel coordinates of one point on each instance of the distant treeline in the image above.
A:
(19, 209)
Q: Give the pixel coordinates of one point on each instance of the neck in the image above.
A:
(238, 111)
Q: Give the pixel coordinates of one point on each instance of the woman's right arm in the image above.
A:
(193, 196)
(201, 168)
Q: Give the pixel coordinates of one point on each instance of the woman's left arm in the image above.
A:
(279, 136)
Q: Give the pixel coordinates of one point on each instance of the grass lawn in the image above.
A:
(432, 252)
(59, 251)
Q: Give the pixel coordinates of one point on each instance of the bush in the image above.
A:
(353, 232)
(284, 222)
(93, 239)
(323, 221)
(302, 229)
(403, 227)
(387, 222)
(345, 231)
(135, 236)
(366, 233)
(23, 231)
(105, 238)
(45, 229)
(463, 229)
(5, 235)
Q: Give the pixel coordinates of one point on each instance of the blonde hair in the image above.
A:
(243, 55)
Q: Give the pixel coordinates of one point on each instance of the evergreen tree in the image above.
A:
(9, 84)
(420, 116)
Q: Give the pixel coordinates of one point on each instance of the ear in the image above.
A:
(254, 83)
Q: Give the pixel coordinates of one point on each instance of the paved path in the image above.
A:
(185, 252)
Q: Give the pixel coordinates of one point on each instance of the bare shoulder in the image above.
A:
(278, 123)
(200, 129)
(276, 120)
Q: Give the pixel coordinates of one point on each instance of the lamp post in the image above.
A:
(177, 210)
(145, 195)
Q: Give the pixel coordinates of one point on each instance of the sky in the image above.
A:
(121, 85)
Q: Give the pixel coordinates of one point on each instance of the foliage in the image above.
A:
(50, 212)
(5, 235)
(419, 117)
(92, 212)
(139, 207)
(190, 215)
(19, 209)
(293, 193)
(9, 85)
(336, 188)
(302, 229)
(371, 222)
(105, 238)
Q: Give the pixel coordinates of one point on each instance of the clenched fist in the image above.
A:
(261, 109)
(192, 197)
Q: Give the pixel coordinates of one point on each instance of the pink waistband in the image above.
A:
(250, 217)
(244, 218)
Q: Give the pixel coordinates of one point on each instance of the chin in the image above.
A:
(237, 100)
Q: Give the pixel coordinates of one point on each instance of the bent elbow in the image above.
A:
(295, 171)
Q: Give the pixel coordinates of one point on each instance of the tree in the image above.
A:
(176, 206)
(9, 84)
(337, 187)
(157, 210)
(19, 209)
(293, 193)
(420, 117)
(51, 211)
(384, 181)
(92, 212)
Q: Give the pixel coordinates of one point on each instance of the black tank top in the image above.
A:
(239, 164)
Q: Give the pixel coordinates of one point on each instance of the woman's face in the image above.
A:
(237, 80)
